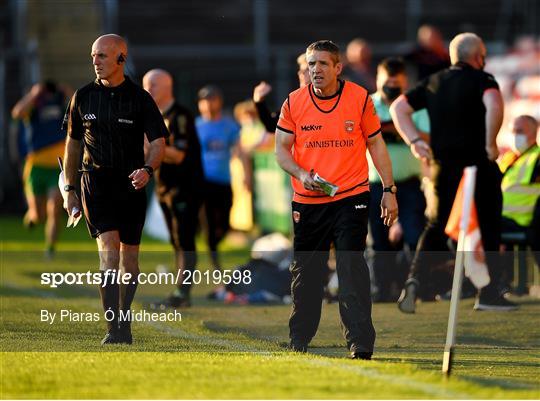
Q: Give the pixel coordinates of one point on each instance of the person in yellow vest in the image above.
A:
(521, 183)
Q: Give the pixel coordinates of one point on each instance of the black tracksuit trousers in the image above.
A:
(316, 226)
(433, 244)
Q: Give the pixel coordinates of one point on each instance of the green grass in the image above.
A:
(220, 351)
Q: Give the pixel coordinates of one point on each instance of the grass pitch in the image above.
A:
(221, 351)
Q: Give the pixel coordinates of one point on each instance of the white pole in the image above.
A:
(468, 196)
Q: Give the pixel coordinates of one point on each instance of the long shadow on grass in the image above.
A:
(502, 383)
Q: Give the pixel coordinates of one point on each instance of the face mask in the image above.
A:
(391, 92)
(518, 143)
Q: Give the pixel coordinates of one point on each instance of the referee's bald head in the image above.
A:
(465, 47)
(114, 41)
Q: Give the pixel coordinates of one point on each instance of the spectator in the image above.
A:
(178, 181)
(41, 111)
(392, 82)
(219, 137)
(252, 136)
(465, 110)
(430, 54)
(359, 69)
(521, 183)
(263, 89)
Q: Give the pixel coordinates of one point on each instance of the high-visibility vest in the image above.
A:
(519, 194)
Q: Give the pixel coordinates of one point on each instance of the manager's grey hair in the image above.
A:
(465, 46)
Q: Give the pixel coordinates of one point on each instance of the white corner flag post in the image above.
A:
(468, 196)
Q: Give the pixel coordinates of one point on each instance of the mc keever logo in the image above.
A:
(311, 127)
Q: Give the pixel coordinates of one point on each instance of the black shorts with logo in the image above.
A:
(110, 203)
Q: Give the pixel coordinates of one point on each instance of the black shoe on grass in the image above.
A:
(361, 355)
(124, 337)
(298, 346)
(499, 303)
(111, 337)
(172, 302)
(407, 299)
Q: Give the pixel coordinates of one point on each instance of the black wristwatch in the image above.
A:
(68, 188)
(392, 189)
(149, 170)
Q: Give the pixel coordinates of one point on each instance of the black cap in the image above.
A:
(210, 91)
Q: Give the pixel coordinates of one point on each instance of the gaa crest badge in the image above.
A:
(349, 126)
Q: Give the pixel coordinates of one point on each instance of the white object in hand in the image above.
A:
(75, 216)
(328, 188)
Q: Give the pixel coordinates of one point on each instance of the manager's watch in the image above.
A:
(392, 189)
(149, 170)
(68, 188)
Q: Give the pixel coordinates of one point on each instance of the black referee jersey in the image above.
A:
(453, 99)
(112, 122)
(187, 175)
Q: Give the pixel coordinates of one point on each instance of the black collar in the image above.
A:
(337, 94)
(463, 65)
(123, 85)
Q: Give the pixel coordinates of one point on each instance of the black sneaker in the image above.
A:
(407, 299)
(298, 346)
(125, 337)
(111, 337)
(498, 304)
(361, 355)
(172, 302)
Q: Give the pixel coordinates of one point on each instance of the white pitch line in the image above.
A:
(429, 389)
(426, 388)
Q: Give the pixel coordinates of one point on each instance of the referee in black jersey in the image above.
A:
(112, 116)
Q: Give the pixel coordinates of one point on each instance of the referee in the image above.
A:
(325, 128)
(112, 116)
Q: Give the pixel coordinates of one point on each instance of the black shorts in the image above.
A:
(217, 204)
(182, 217)
(110, 203)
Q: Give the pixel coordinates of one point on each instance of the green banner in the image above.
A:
(273, 194)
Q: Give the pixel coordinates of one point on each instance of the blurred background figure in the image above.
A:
(253, 136)
(303, 70)
(358, 67)
(41, 112)
(387, 241)
(178, 180)
(261, 91)
(521, 187)
(518, 73)
(219, 137)
(430, 54)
